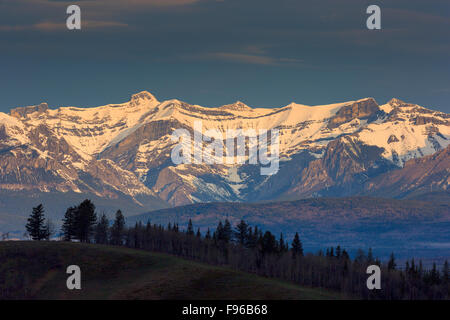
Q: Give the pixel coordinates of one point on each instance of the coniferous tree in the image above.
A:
(67, 228)
(136, 235)
(391, 263)
(345, 255)
(445, 273)
(269, 243)
(370, 256)
(434, 275)
(241, 233)
(219, 234)
(227, 231)
(35, 226)
(297, 247)
(101, 230)
(282, 246)
(331, 252)
(361, 257)
(49, 229)
(252, 237)
(420, 271)
(338, 252)
(190, 228)
(117, 229)
(84, 220)
(412, 270)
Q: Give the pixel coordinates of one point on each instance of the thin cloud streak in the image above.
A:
(248, 58)
(48, 26)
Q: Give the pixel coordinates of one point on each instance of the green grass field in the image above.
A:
(36, 270)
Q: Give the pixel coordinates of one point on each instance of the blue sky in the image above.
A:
(209, 52)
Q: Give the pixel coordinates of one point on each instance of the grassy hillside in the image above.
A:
(36, 270)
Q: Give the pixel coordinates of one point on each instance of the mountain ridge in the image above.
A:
(123, 150)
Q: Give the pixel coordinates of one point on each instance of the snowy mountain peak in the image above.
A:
(237, 106)
(395, 102)
(126, 147)
(143, 95)
(22, 112)
(367, 99)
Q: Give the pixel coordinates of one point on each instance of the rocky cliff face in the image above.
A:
(364, 109)
(124, 150)
(430, 174)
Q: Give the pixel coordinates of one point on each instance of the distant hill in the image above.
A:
(410, 228)
(120, 273)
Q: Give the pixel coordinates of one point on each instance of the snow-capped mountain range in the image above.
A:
(124, 150)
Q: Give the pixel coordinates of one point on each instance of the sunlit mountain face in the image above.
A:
(124, 151)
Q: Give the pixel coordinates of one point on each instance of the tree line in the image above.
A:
(250, 249)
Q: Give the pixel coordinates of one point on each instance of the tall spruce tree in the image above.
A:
(190, 228)
(282, 246)
(391, 263)
(227, 231)
(434, 275)
(338, 252)
(218, 234)
(297, 247)
(241, 233)
(118, 229)
(370, 258)
(67, 229)
(269, 243)
(36, 226)
(84, 220)
(101, 230)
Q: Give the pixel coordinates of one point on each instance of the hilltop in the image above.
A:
(120, 273)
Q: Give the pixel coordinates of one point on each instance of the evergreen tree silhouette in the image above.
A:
(118, 227)
(190, 228)
(84, 220)
(241, 233)
(35, 226)
(68, 225)
(101, 230)
(297, 247)
(391, 263)
(227, 231)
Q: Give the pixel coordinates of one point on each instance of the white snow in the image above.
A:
(90, 130)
